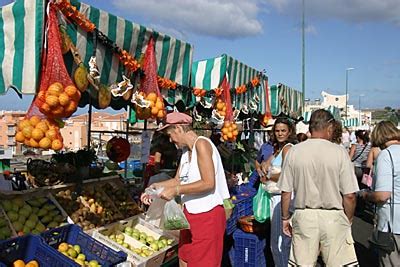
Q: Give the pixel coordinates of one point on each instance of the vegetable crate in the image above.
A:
(29, 248)
(248, 250)
(243, 207)
(93, 249)
(132, 244)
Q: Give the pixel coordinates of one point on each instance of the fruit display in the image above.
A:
(21, 263)
(5, 230)
(155, 108)
(59, 101)
(143, 251)
(74, 253)
(122, 200)
(229, 131)
(92, 208)
(147, 239)
(220, 107)
(39, 133)
(32, 216)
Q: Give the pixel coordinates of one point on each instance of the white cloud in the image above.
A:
(348, 10)
(221, 18)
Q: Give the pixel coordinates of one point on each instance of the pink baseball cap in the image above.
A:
(175, 118)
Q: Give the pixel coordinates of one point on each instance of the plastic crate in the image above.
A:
(93, 249)
(243, 207)
(253, 178)
(29, 248)
(248, 249)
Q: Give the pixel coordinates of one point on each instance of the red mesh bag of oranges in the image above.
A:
(224, 107)
(149, 90)
(58, 97)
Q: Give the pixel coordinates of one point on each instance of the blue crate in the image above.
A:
(248, 249)
(29, 248)
(243, 207)
(253, 178)
(93, 249)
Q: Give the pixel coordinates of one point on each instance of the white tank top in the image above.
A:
(189, 173)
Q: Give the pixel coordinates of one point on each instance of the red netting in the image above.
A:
(226, 96)
(149, 87)
(58, 97)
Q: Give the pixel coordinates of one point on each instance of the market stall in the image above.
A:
(286, 100)
(335, 111)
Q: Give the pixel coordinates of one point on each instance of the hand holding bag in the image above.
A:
(385, 241)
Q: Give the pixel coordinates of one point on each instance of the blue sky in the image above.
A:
(266, 34)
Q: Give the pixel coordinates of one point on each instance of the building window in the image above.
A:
(11, 139)
(11, 128)
(337, 99)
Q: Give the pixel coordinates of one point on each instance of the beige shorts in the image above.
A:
(322, 231)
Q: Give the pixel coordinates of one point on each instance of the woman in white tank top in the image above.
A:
(201, 182)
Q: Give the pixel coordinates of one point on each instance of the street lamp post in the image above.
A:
(359, 109)
(347, 85)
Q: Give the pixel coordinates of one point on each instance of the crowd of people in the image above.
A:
(316, 181)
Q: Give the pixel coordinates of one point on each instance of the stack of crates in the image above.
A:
(248, 250)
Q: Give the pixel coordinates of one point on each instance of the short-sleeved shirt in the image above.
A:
(319, 172)
(384, 183)
(361, 155)
(266, 150)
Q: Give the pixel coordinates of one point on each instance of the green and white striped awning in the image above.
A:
(352, 122)
(208, 74)
(335, 111)
(174, 57)
(21, 31)
(285, 100)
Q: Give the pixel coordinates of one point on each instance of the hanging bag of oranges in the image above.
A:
(149, 91)
(229, 129)
(58, 97)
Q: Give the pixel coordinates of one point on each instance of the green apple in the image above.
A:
(150, 239)
(81, 257)
(154, 246)
(170, 241)
(72, 252)
(77, 249)
(136, 236)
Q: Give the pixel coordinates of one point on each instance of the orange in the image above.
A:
(42, 126)
(71, 108)
(32, 264)
(33, 143)
(52, 100)
(76, 97)
(56, 144)
(154, 111)
(222, 113)
(70, 90)
(27, 142)
(19, 137)
(58, 112)
(161, 114)
(235, 133)
(64, 99)
(159, 105)
(225, 137)
(41, 96)
(234, 126)
(224, 130)
(27, 131)
(45, 143)
(45, 108)
(18, 263)
(224, 108)
(220, 105)
(37, 134)
(34, 120)
(230, 135)
(55, 89)
(52, 134)
(22, 124)
(152, 97)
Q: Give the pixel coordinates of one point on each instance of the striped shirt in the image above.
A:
(361, 155)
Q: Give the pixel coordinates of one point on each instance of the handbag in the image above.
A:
(385, 241)
(367, 178)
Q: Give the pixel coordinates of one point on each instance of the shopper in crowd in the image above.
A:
(346, 138)
(337, 134)
(163, 155)
(387, 187)
(321, 176)
(284, 138)
(200, 181)
(301, 137)
(372, 157)
(266, 150)
(359, 153)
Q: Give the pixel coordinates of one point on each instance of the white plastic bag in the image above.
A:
(154, 214)
(174, 218)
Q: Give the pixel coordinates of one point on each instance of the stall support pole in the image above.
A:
(89, 123)
(127, 138)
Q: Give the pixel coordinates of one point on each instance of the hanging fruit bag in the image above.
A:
(152, 103)
(58, 97)
(229, 129)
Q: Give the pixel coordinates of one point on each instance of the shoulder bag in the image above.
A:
(385, 241)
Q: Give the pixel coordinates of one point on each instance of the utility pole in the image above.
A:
(303, 80)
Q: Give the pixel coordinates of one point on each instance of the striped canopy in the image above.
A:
(285, 99)
(208, 74)
(174, 57)
(351, 122)
(21, 30)
(335, 111)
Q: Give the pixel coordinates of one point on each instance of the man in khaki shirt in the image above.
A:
(321, 176)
